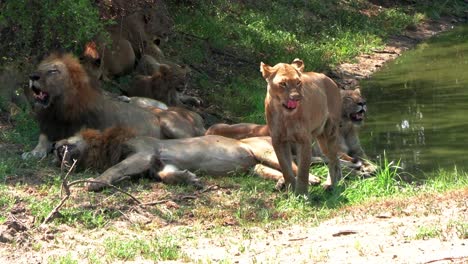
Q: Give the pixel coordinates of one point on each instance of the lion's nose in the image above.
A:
(295, 96)
(34, 76)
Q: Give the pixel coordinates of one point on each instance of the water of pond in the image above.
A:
(418, 107)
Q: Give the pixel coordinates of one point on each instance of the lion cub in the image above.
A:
(301, 106)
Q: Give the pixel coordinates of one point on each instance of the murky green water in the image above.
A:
(418, 106)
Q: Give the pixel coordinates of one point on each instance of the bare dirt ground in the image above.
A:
(378, 232)
(422, 229)
(382, 232)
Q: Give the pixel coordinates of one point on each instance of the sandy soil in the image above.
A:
(386, 233)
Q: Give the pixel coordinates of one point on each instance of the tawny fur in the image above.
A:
(238, 131)
(107, 60)
(350, 149)
(163, 84)
(301, 106)
(70, 104)
(121, 155)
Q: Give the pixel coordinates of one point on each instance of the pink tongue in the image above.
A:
(292, 104)
(41, 95)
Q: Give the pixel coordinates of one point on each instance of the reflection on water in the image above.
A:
(418, 106)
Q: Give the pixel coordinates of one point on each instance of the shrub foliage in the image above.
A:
(30, 28)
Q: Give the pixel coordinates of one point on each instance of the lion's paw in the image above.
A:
(192, 179)
(93, 185)
(314, 180)
(280, 185)
(34, 154)
(368, 169)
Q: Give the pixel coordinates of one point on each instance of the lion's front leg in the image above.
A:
(133, 165)
(304, 156)
(41, 150)
(329, 147)
(283, 152)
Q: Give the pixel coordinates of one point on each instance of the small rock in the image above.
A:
(384, 215)
(6, 237)
(345, 233)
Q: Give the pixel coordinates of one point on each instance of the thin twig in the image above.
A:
(209, 188)
(155, 202)
(65, 187)
(447, 258)
(108, 185)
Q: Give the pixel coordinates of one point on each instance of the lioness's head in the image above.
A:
(59, 77)
(170, 77)
(284, 82)
(354, 106)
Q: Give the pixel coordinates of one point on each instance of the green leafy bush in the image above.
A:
(31, 27)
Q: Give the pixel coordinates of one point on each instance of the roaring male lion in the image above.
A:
(121, 154)
(65, 102)
(301, 106)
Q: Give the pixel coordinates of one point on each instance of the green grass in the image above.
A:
(427, 232)
(26, 130)
(322, 33)
(461, 228)
(67, 259)
(156, 249)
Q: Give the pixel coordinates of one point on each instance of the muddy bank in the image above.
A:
(347, 75)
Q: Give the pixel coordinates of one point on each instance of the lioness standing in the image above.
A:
(301, 106)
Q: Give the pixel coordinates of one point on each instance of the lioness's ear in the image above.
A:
(165, 70)
(298, 64)
(91, 51)
(266, 70)
(357, 91)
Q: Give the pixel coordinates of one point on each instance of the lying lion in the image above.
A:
(121, 154)
(301, 106)
(65, 102)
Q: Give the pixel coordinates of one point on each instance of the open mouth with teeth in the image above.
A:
(357, 117)
(40, 96)
(291, 104)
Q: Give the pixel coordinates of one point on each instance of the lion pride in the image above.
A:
(350, 152)
(119, 154)
(301, 106)
(65, 102)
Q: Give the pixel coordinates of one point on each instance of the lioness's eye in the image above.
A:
(299, 83)
(282, 84)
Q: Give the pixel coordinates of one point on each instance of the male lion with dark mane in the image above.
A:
(119, 154)
(301, 106)
(65, 102)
